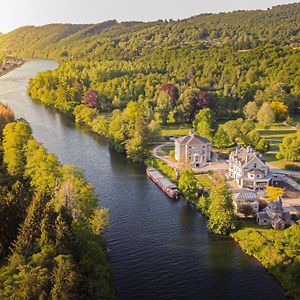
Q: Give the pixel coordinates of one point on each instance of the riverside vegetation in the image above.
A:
(278, 251)
(51, 229)
(227, 75)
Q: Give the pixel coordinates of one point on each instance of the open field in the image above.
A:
(275, 134)
(175, 130)
(204, 181)
(280, 164)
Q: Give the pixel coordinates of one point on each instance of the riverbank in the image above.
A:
(276, 250)
(142, 216)
(267, 246)
(9, 65)
(58, 219)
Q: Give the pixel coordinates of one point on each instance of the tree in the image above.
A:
(203, 204)
(221, 139)
(204, 100)
(170, 89)
(187, 108)
(246, 210)
(164, 106)
(204, 130)
(280, 110)
(204, 115)
(42, 168)
(251, 110)
(233, 129)
(91, 99)
(274, 192)
(15, 137)
(6, 116)
(265, 114)
(221, 210)
(154, 131)
(263, 146)
(254, 137)
(99, 220)
(290, 148)
(188, 184)
(65, 278)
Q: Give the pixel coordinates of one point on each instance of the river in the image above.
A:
(159, 248)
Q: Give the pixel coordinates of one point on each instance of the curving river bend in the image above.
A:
(160, 249)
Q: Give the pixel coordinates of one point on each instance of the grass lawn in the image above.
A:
(275, 134)
(175, 130)
(204, 181)
(280, 164)
(167, 150)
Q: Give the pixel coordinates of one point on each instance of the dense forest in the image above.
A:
(51, 244)
(171, 70)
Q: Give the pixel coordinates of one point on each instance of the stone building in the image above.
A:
(246, 198)
(248, 170)
(275, 216)
(193, 150)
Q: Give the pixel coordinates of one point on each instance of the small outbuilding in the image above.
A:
(247, 198)
(275, 216)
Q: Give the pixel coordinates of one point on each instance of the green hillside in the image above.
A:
(241, 29)
(167, 71)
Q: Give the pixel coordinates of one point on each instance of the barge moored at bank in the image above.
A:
(165, 184)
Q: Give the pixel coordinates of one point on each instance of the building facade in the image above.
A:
(246, 198)
(248, 170)
(275, 216)
(193, 150)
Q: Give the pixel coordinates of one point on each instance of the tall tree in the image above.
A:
(188, 184)
(250, 110)
(6, 116)
(266, 115)
(164, 106)
(290, 148)
(91, 99)
(221, 211)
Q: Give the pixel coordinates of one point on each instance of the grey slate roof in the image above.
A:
(192, 140)
(246, 196)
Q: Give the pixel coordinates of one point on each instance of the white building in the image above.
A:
(248, 170)
(193, 150)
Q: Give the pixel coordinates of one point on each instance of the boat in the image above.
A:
(168, 187)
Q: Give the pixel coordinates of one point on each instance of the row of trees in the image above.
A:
(179, 82)
(218, 206)
(227, 134)
(51, 225)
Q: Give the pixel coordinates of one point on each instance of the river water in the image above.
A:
(159, 248)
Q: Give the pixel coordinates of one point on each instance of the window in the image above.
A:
(255, 166)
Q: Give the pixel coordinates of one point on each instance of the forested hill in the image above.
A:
(240, 29)
(165, 72)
